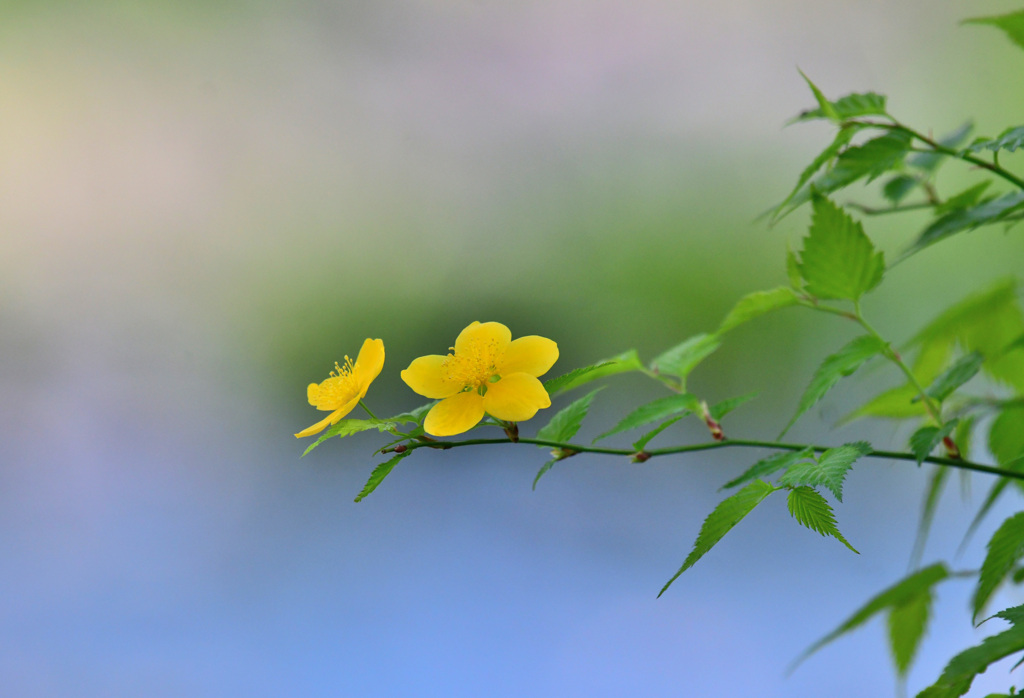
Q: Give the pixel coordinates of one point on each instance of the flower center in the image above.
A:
(340, 388)
(475, 366)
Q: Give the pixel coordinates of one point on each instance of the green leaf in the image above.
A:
(378, 475)
(898, 187)
(829, 470)
(987, 323)
(835, 367)
(347, 427)
(1012, 24)
(1004, 550)
(653, 411)
(966, 199)
(990, 499)
(958, 675)
(567, 421)
(841, 140)
(727, 514)
(907, 624)
(965, 368)
(871, 159)
(622, 363)
(683, 358)
(770, 465)
(899, 594)
(963, 219)
(811, 510)
(1006, 436)
(825, 108)
(930, 161)
(757, 304)
(641, 443)
(898, 402)
(1010, 139)
(793, 270)
(415, 416)
(936, 483)
(726, 406)
(543, 469)
(925, 439)
(838, 259)
(848, 107)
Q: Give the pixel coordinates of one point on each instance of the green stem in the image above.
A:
(937, 147)
(891, 354)
(713, 445)
(367, 410)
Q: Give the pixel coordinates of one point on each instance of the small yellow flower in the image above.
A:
(487, 372)
(346, 387)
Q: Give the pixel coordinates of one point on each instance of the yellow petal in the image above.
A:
(516, 397)
(455, 414)
(532, 354)
(483, 337)
(312, 392)
(330, 420)
(427, 377)
(369, 362)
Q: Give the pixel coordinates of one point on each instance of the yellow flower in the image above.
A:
(346, 387)
(487, 372)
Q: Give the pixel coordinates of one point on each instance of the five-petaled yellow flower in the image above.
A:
(346, 387)
(487, 372)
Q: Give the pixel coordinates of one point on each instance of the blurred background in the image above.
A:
(203, 205)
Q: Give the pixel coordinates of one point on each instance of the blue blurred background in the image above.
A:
(203, 205)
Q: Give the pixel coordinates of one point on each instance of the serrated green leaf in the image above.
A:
(838, 260)
(727, 514)
(757, 304)
(1004, 550)
(966, 199)
(907, 624)
(898, 187)
(1012, 24)
(871, 159)
(543, 469)
(567, 421)
(848, 107)
(811, 510)
(925, 439)
(964, 369)
(829, 470)
(641, 443)
(724, 407)
(936, 482)
(378, 475)
(960, 220)
(347, 427)
(684, 357)
(841, 140)
(958, 675)
(835, 367)
(622, 363)
(770, 465)
(653, 411)
(1010, 139)
(898, 594)
(930, 161)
